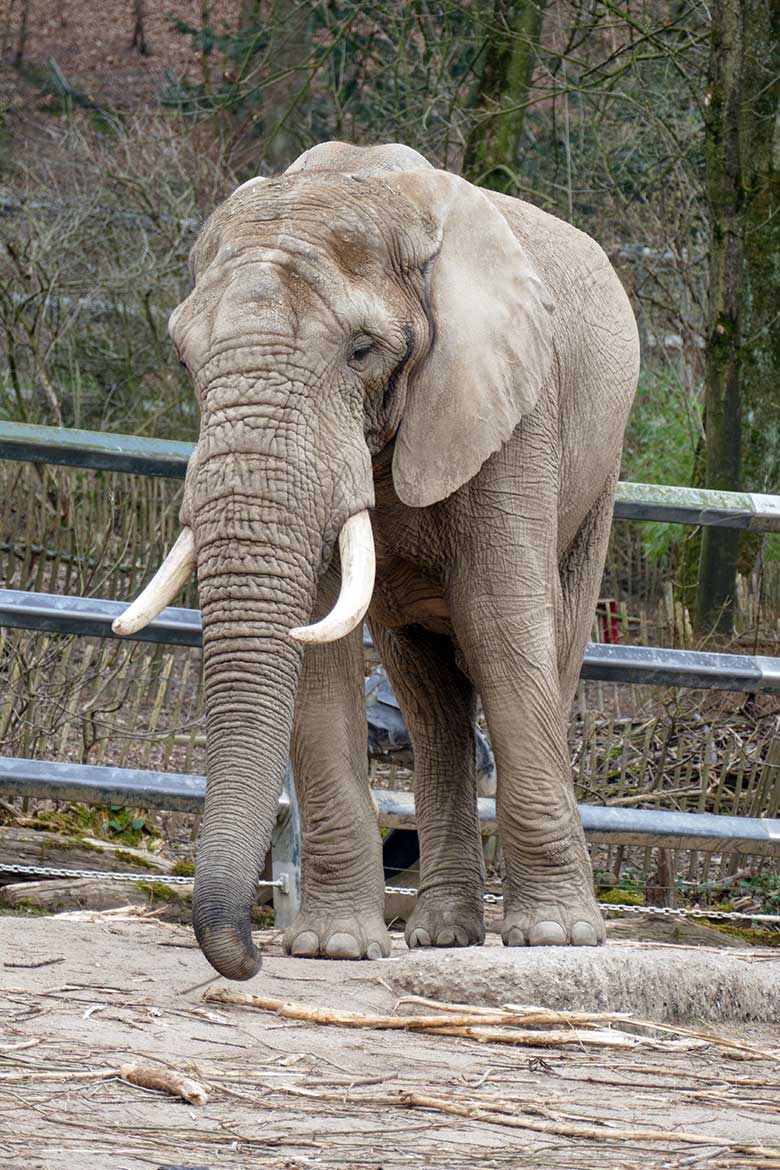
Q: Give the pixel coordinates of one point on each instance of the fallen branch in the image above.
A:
(512, 1013)
(473, 1111)
(145, 1076)
(550, 1038)
(164, 1080)
(465, 1017)
(480, 1025)
(40, 963)
(534, 1015)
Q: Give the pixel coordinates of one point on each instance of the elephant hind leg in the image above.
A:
(439, 705)
(581, 569)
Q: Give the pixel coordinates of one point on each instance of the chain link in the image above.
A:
(408, 891)
(166, 879)
(666, 911)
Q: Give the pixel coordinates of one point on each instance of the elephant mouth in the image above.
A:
(358, 570)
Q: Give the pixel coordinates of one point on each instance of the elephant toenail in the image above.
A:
(583, 935)
(547, 934)
(515, 938)
(446, 938)
(373, 951)
(419, 938)
(305, 945)
(342, 946)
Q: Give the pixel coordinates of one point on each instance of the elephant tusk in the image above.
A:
(358, 566)
(172, 575)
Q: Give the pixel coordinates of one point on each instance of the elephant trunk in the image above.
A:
(260, 528)
(254, 598)
(251, 668)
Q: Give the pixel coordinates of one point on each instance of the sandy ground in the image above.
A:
(79, 997)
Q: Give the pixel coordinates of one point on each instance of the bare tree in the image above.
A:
(742, 344)
(511, 38)
(139, 33)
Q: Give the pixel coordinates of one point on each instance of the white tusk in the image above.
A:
(358, 566)
(172, 575)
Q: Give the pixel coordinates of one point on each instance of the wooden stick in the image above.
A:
(59, 1075)
(463, 1019)
(164, 1080)
(146, 1076)
(472, 1026)
(515, 1013)
(551, 1038)
(559, 1128)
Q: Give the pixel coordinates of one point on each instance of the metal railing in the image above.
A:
(614, 663)
(164, 457)
(647, 665)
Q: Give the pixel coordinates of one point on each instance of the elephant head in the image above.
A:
(359, 300)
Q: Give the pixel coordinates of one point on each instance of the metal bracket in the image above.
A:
(286, 855)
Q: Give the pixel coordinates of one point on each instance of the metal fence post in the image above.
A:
(286, 856)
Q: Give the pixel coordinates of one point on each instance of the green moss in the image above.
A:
(134, 859)
(750, 934)
(70, 843)
(621, 897)
(160, 892)
(263, 916)
(125, 826)
(24, 910)
(184, 868)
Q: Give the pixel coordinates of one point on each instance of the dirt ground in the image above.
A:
(80, 997)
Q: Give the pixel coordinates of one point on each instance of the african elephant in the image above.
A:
(437, 379)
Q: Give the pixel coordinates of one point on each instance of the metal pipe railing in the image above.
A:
(177, 791)
(164, 457)
(613, 663)
(645, 665)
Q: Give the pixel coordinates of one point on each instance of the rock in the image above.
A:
(655, 982)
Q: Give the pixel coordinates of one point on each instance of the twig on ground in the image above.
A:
(473, 1111)
(40, 963)
(480, 1025)
(164, 1081)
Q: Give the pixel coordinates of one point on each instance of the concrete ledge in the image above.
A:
(661, 983)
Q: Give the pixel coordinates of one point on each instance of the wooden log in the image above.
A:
(55, 896)
(59, 895)
(25, 846)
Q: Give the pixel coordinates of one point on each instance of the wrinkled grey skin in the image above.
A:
(367, 332)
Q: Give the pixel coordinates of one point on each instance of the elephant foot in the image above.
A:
(437, 924)
(317, 934)
(576, 923)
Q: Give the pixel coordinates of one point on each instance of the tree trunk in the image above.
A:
(139, 33)
(290, 50)
(21, 43)
(760, 135)
(722, 401)
(491, 149)
(742, 411)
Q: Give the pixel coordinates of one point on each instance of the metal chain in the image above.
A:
(167, 879)
(667, 911)
(282, 884)
(686, 912)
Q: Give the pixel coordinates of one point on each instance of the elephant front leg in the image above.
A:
(548, 884)
(342, 910)
(438, 704)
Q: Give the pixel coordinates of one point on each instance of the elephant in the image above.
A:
(412, 396)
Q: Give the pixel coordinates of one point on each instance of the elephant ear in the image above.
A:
(492, 341)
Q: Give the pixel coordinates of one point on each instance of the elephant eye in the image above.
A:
(360, 351)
